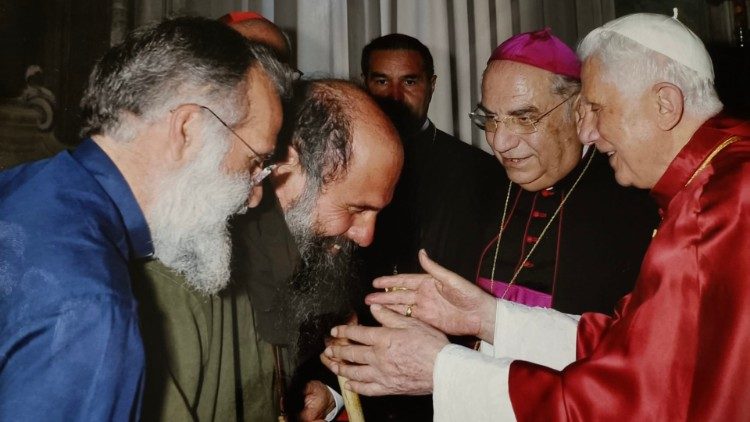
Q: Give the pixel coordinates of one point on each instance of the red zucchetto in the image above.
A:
(540, 49)
(237, 17)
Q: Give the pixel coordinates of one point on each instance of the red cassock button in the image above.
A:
(528, 264)
(538, 214)
(531, 239)
(547, 193)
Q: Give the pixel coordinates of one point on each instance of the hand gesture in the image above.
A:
(397, 358)
(440, 298)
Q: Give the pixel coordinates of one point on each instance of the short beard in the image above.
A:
(188, 221)
(323, 287)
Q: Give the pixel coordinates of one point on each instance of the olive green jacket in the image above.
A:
(204, 359)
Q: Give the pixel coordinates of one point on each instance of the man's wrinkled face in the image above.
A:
(329, 223)
(618, 126)
(538, 160)
(401, 76)
(348, 206)
(310, 237)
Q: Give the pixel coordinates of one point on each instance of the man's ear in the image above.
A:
(670, 102)
(433, 80)
(288, 163)
(182, 129)
(579, 111)
(288, 179)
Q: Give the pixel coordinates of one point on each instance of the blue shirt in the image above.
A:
(70, 347)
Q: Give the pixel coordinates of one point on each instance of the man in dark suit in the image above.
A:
(444, 199)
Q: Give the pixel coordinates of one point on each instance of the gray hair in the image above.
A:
(632, 67)
(322, 134)
(178, 61)
(565, 87)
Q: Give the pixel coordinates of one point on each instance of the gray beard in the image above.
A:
(321, 290)
(188, 221)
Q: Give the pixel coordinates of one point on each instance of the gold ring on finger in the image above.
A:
(395, 289)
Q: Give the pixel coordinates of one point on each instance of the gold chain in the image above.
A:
(503, 225)
(707, 161)
(502, 230)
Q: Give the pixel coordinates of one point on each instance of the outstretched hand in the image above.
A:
(440, 298)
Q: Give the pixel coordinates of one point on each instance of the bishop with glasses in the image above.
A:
(568, 236)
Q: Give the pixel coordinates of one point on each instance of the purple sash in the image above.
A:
(518, 294)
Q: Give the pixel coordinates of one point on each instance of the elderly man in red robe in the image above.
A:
(676, 347)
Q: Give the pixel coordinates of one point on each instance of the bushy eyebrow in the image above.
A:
(523, 110)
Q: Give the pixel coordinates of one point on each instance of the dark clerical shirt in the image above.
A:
(591, 252)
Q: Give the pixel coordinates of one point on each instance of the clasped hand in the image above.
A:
(440, 298)
(399, 357)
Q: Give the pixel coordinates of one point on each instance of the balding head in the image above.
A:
(343, 116)
(265, 32)
(344, 160)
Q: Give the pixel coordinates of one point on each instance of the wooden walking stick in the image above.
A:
(351, 402)
(351, 399)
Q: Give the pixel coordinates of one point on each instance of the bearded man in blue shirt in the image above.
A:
(180, 120)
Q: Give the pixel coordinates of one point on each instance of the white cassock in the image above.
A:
(473, 385)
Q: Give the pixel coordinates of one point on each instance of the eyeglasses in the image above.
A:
(263, 161)
(520, 125)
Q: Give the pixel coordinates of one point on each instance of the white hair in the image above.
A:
(189, 218)
(564, 87)
(632, 68)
